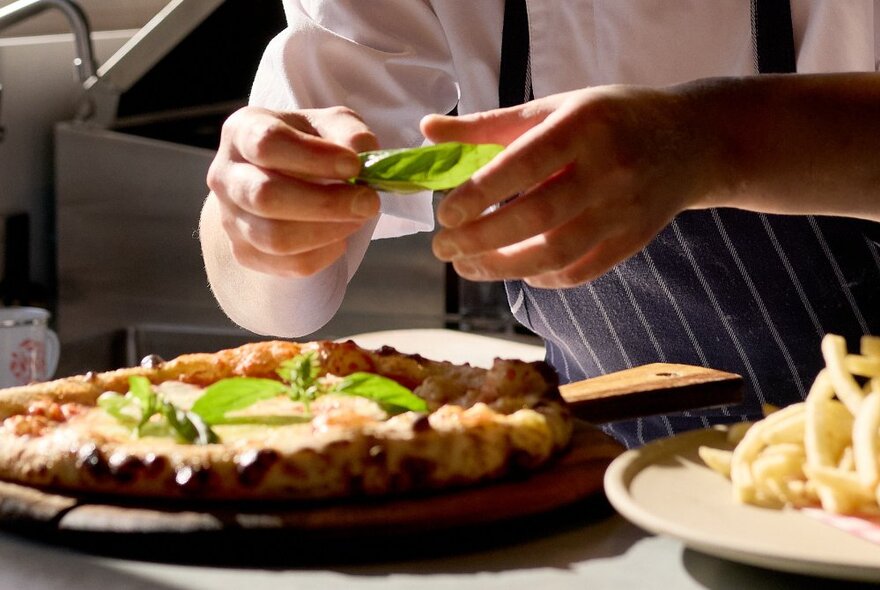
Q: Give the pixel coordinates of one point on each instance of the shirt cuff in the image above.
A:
(404, 214)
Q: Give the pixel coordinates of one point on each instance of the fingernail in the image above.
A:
(451, 216)
(348, 167)
(445, 249)
(467, 270)
(364, 205)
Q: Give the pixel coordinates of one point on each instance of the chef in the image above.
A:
(692, 182)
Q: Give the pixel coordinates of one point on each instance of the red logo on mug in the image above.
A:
(28, 362)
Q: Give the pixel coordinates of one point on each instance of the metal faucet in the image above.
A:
(84, 61)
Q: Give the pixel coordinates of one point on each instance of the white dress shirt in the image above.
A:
(394, 61)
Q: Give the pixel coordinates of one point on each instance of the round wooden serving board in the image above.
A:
(575, 476)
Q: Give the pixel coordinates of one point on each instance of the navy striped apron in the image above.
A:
(739, 291)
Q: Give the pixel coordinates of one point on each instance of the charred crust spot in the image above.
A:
(154, 464)
(192, 478)
(356, 483)
(547, 373)
(90, 459)
(293, 465)
(419, 471)
(391, 351)
(125, 467)
(422, 423)
(152, 361)
(387, 351)
(292, 469)
(252, 465)
(522, 461)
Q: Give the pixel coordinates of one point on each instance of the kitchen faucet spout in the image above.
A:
(84, 62)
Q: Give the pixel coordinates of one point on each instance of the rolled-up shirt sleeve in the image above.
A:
(387, 60)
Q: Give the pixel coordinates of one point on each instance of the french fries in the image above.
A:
(822, 451)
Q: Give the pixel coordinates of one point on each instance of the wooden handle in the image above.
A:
(647, 390)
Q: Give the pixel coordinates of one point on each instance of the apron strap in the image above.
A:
(773, 36)
(515, 76)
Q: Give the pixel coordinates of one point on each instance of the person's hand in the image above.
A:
(596, 174)
(277, 178)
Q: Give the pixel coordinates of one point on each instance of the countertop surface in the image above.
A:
(584, 546)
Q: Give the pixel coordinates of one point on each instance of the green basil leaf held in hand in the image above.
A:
(438, 167)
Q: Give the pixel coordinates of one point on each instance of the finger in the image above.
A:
(545, 253)
(552, 204)
(536, 155)
(529, 258)
(291, 265)
(501, 126)
(343, 126)
(589, 267)
(277, 196)
(282, 238)
(287, 144)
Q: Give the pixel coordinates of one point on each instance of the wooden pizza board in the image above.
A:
(430, 524)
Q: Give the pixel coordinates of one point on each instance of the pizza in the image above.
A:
(280, 420)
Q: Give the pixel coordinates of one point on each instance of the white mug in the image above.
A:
(28, 347)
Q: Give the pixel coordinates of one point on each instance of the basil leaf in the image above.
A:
(301, 373)
(157, 428)
(388, 393)
(188, 426)
(119, 407)
(435, 167)
(145, 402)
(205, 434)
(141, 389)
(234, 393)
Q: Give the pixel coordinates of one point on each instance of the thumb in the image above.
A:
(500, 126)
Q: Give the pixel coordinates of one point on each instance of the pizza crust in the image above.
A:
(482, 424)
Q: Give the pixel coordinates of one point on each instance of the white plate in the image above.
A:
(665, 488)
(451, 345)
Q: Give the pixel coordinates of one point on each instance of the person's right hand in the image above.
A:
(276, 178)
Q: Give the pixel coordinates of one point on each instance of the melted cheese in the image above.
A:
(328, 413)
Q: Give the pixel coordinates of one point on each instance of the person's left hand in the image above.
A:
(597, 173)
